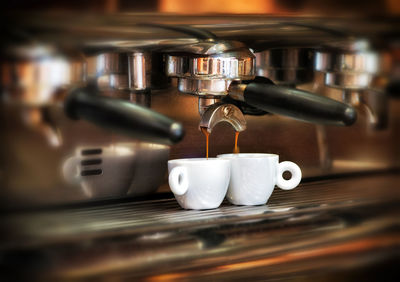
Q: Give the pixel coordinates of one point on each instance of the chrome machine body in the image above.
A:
(156, 62)
(92, 107)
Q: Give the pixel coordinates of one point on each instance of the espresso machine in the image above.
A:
(94, 107)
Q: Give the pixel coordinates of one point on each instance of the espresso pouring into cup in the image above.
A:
(201, 183)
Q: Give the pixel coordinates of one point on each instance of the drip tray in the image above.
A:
(322, 227)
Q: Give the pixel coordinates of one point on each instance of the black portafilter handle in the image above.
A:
(298, 104)
(122, 117)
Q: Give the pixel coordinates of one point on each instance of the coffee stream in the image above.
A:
(207, 134)
(236, 149)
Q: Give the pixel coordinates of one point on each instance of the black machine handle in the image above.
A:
(393, 89)
(123, 117)
(298, 104)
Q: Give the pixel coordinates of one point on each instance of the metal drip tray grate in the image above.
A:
(352, 218)
(155, 215)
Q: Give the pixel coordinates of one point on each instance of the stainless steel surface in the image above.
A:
(36, 81)
(110, 70)
(122, 166)
(288, 66)
(236, 91)
(139, 71)
(32, 163)
(88, 223)
(354, 67)
(207, 68)
(357, 57)
(37, 129)
(364, 61)
(348, 81)
(220, 112)
(204, 103)
(230, 65)
(351, 65)
(204, 87)
(322, 228)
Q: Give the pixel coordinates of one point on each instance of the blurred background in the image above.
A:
(304, 7)
(97, 96)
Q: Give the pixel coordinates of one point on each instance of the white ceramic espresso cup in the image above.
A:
(199, 183)
(254, 176)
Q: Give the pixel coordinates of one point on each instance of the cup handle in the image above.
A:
(178, 180)
(294, 169)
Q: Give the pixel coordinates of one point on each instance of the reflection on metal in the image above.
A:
(204, 103)
(323, 226)
(37, 119)
(115, 51)
(121, 70)
(223, 112)
(352, 66)
(139, 71)
(334, 225)
(95, 169)
(325, 158)
(372, 102)
(37, 81)
(115, 170)
(205, 88)
(286, 66)
(207, 68)
(362, 165)
(110, 70)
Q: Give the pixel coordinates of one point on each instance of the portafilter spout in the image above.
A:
(220, 112)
